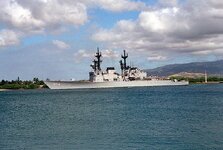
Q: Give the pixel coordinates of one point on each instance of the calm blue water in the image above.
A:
(188, 117)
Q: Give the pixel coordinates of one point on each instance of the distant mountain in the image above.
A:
(214, 68)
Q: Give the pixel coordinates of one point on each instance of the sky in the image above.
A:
(57, 39)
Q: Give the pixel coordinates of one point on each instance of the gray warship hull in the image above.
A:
(111, 84)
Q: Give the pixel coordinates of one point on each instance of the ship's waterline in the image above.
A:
(114, 84)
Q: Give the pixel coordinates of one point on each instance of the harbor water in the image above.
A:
(178, 117)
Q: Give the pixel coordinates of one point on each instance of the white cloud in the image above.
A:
(83, 54)
(151, 21)
(61, 44)
(8, 38)
(120, 5)
(163, 20)
(14, 15)
(37, 16)
(42, 15)
(52, 16)
(110, 54)
(157, 58)
(168, 2)
(191, 27)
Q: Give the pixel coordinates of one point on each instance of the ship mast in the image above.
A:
(98, 56)
(94, 66)
(125, 56)
(122, 66)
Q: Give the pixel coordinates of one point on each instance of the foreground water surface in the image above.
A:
(186, 117)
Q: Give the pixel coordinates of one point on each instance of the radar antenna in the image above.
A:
(125, 56)
(98, 56)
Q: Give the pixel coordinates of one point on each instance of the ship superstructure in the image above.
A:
(129, 77)
(127, 73)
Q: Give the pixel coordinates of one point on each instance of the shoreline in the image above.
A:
(41, 88)
(211, 82)
(22, 89)
(1, 90)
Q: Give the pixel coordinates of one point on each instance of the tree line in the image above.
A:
(200, 79)
(19, 84)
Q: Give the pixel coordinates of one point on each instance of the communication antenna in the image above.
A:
(206, 77)
(98, 56)
(125, 56)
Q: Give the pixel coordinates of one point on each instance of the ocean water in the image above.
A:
(175, 118)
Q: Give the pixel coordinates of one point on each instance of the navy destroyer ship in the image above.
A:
(129, 77)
